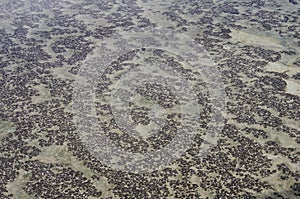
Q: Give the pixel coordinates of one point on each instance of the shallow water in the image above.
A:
(149, 99)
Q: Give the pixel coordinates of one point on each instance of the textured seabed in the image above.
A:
(255, 45)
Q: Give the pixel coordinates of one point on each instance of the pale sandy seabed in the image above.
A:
(255, 45)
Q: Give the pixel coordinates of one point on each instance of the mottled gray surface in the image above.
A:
(256, 47)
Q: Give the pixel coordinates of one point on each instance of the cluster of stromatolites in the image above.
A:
(256, 47)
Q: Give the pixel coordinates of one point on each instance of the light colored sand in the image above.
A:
(16, 187)
(6, 128)
(293, 87)
(250, 38)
